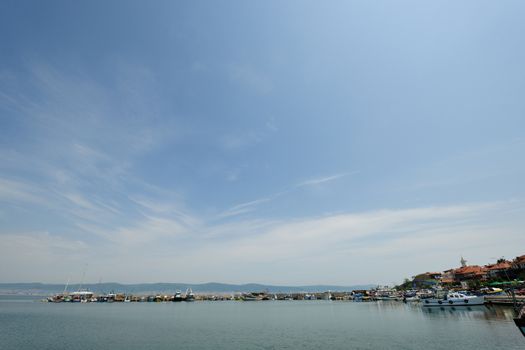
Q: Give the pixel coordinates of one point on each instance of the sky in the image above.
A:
(278, 142)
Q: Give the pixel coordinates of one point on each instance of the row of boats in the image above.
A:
(90, 297)
(453, 298)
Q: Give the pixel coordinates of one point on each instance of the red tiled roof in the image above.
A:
(501, 266)
(473, 269)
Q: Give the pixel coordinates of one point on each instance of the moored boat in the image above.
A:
(455, 299)
(189, 295)
(178, 296)
(248, 297)
(81, 296)
(410, 296)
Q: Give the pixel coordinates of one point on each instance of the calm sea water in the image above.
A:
(26, 324)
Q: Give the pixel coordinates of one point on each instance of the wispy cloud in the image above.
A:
(87, 135)
(15, 191)
(332, 248)
(322, 180)
(251, 206)
(245, 207)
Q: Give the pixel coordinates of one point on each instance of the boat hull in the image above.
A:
(453, 302)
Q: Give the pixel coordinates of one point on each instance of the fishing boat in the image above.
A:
(455, 299)
(520, 320)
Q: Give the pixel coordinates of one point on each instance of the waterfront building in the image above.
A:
(469, 273)
(500, 269)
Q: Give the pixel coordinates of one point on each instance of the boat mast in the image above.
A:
(67, 284)
(83, 276)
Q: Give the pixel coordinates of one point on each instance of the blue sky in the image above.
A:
(276, 142)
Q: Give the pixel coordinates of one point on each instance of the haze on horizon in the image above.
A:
(277, 142)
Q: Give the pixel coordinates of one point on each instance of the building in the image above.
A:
(469, 273)
(447, 277)
(499, 270)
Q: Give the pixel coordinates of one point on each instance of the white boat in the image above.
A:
(455, 299)
(178, 296)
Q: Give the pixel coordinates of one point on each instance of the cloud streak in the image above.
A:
(251, 206)
(322, 180)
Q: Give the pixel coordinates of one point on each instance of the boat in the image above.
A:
(308, 296)
(455, 299)
(357, 297)
(189, 295)
(81, 296)
(327, 295)
(178, 296)
(248, 297)
(520, 320)
(410, 296)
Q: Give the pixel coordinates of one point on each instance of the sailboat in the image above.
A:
(189, 295)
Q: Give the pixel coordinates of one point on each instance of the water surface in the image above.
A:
(26, 324)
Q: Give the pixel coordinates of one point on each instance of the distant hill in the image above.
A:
(144, 288)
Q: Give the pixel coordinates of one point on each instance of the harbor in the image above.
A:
(465, 287)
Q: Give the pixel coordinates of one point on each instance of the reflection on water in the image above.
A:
(475, 312)
(489, 312)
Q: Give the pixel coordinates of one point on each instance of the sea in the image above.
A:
(26, 323)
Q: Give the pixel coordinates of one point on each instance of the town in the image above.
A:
(503, 272)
